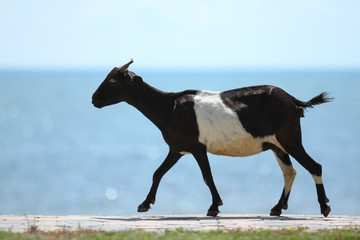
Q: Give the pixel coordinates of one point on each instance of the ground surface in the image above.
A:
(225, 222)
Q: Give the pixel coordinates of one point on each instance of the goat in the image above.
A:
(239, 122)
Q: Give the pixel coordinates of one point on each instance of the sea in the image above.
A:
(60, 155)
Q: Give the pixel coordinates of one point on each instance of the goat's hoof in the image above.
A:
(276, 213)
(326, 211)
(212, 213)
(142, 208)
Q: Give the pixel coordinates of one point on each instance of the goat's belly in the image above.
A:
(240, 146)
(221, 131)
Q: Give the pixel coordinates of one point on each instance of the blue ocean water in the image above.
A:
(60, 155)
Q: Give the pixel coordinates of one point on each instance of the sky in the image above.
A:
(196, 34)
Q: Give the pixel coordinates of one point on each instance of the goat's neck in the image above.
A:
(155, 105)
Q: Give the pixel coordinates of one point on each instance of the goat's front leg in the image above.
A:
(203, 161)
(168, 163)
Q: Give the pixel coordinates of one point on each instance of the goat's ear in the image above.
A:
(138, 87)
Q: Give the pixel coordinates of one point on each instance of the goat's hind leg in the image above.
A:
(289, 174)
(315, 169)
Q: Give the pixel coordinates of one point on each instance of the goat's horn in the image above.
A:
(124, 67)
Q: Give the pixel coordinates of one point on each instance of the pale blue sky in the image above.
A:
(196, 34)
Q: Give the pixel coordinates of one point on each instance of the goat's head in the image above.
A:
(119, 85)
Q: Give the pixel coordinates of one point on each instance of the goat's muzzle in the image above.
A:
(96, 101)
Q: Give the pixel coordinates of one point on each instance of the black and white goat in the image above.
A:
(239, 122)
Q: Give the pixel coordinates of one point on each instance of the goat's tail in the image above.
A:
(319, 99)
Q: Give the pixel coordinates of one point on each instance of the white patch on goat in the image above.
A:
(221, 131)
(271, 90)
(317, 179)
(184, 153)
(289, 174)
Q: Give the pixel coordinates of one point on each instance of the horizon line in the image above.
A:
(183, 69)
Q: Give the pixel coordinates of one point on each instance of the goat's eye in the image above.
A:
(113, 81)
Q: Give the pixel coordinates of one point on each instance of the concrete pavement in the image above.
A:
(226, 222)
